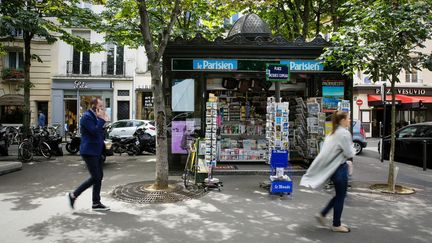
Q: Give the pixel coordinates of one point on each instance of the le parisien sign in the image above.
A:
(408, 91)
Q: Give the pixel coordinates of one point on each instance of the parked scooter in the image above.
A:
(54, 140)
(124, 145)
(145, 141)
(72, 146)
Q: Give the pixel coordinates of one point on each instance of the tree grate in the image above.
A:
(137, 192)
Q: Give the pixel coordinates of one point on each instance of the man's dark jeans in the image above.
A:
(340, 180)
(94, 166)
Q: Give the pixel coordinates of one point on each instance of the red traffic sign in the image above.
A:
(359, 102)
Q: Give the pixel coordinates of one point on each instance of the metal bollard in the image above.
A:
(424, 154)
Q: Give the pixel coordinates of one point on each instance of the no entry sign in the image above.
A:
(359, 102)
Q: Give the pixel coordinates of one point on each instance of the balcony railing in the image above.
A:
(78, 68)
(13, 74)
(117, 69)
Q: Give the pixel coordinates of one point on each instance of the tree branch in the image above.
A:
(167, 31)
(179, 22)
(145, 30)
(158, 17)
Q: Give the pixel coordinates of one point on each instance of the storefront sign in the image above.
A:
(80, 84)
(277, 73)
(406, 91)
(303, 65)
(88, 84)
(214, 64)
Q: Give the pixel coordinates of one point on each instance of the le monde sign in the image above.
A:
(408, 91)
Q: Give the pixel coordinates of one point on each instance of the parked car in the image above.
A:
(126, 128)
(359, 137)
(409, 144)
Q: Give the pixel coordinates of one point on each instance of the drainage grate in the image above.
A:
(137, 192)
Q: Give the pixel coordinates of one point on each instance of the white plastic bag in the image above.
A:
(350, 167)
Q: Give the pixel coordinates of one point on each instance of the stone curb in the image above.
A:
(8, 167)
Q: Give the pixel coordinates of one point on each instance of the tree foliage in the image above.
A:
(46, 20)
(382, 38)
(122, 23)
(298, 18)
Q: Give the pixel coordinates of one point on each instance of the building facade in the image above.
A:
(413, 100)
(113, 75)
(12, 79)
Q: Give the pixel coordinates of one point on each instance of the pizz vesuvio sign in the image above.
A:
(408, 91)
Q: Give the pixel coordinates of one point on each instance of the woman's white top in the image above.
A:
(336, 149)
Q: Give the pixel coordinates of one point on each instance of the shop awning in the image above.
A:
(12, 99)
(375, 100)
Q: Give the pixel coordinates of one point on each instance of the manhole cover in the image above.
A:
(139, 192)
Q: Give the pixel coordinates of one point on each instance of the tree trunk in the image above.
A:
(391, 181)
(305, 17)
(154, 58)
(27, 83)
(295, 18)
(290, 33)
(160, 118)
(318, 18)
(333, 13)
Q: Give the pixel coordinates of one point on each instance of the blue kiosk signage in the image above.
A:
(281, 187)
(279, 159)
(216, 65)
(303, 65)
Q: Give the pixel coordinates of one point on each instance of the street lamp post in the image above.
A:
(383, 98)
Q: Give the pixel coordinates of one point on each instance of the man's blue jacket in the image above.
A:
(92, 134)
(41, 120)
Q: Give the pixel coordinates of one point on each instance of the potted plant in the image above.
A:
(13, 73)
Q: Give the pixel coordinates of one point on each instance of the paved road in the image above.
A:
(33, 208)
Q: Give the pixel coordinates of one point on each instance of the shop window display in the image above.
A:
(11, 114)
(242, 136)
(242, 129)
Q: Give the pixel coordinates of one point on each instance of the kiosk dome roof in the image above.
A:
(250, 25)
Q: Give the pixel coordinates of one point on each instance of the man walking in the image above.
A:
(41, 119)
(92, 145)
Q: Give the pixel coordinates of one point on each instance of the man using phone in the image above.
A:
(91, 148)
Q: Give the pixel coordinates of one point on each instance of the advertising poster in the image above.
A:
(332, 92)
(182, 100)
(178, 145)
(182, 132)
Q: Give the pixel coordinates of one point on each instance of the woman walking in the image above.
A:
(331, 163)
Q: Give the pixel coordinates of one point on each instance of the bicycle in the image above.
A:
(33, 145)
(14, 135)
(191, 166)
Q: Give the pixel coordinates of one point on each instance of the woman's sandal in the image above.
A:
(341, 229)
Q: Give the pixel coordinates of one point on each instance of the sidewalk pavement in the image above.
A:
(34, 208)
